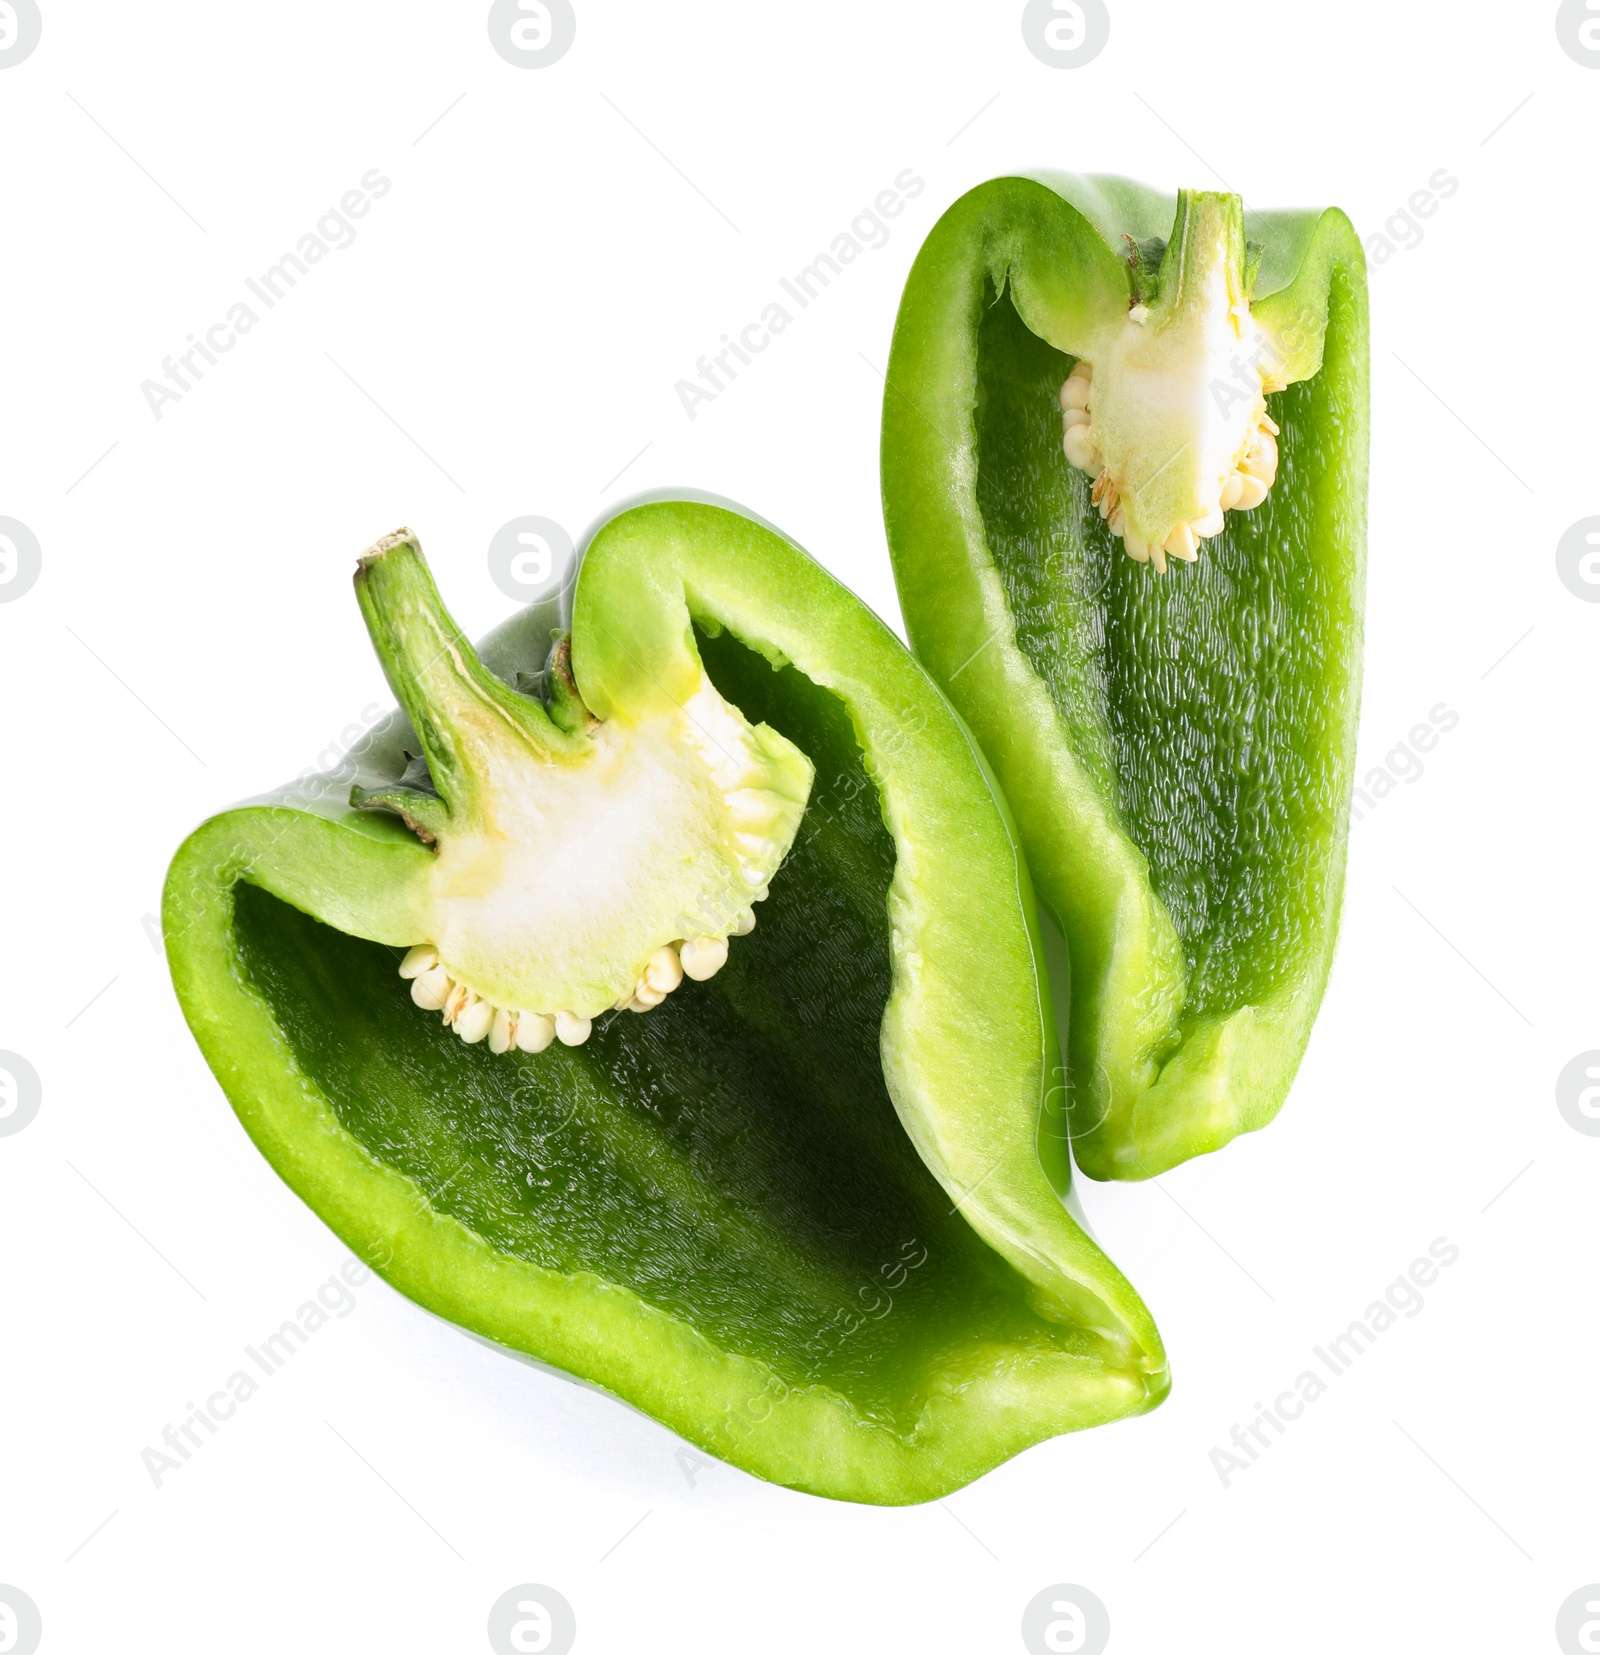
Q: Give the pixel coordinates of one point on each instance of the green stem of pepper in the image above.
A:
(462, 714)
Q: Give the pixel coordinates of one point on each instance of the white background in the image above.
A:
(503, 337)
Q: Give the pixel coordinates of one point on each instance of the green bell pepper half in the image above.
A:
(1178, 747)
(808, 1214)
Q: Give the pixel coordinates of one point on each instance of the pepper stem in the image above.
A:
(463, 715)
(1205, 257)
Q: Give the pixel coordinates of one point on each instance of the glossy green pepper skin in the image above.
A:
(808, 1214)
(1177, 747)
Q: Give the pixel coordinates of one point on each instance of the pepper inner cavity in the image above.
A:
(736, 1160)
(1194, 706)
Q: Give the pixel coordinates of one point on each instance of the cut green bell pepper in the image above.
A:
(807, 1212)
(1177, 742)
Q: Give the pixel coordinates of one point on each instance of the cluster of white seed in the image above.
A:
(1244, 489)
(505, 1027)
(475, 1019)
(699, 958)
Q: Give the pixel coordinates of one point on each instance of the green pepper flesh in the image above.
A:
(1178, 748)
(807, 1213)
